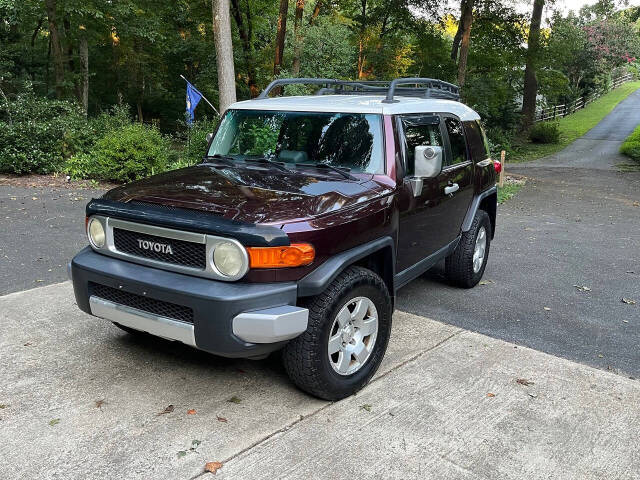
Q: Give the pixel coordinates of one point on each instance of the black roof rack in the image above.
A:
(414, 87)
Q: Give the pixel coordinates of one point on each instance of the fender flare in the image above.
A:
(475, 204)
(320, 278)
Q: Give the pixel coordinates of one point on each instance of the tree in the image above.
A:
(297, 48)
(224, 52)
(56, 46)
(462, 39)
(533, 53)
(280, 36)
(245, 31)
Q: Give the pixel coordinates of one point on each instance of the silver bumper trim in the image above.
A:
(139, 320)
(271, 324)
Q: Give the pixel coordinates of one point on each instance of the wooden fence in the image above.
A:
(559, 111)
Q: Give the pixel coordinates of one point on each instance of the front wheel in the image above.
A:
(465, 266)
(346, 337)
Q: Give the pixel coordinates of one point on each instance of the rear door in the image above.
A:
(433, 219)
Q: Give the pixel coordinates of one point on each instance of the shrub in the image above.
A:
(43, 133)
(33, 141)
(631, 146)
(195, 145)
(545, 132)
(128, 153)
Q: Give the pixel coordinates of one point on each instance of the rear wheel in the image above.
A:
(465, 266)
(346, 337)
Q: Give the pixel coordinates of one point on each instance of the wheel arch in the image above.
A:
(377, 256)
(487, 201)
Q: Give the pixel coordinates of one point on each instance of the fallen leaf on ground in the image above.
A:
(234, 399)
(28, 344)
(191, 412)
(524, 381)
(181, 453)
(547, 309)
(533, 395)
(366, 407)
(485, 282)
(53, 422)
(2, 405)
(212, 467)
(628, 301)
(582, 288)
(221, 419)
(99, 403)
(491, 395)
(600, 355)
(625, 321)
(195, 443)
(169, 409)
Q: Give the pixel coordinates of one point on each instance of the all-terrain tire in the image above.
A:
(459, 264)
(306, 357)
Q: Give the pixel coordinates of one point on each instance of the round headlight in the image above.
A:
(96, 233)
(228, 259)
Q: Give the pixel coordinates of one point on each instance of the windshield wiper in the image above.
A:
(228, 159)
(326, 166)
(266, 161)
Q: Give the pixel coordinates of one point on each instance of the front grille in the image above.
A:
(188, 254)
(146, 304)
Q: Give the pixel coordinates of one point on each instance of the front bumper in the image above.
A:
(229, 318)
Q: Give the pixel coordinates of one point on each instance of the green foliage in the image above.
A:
(32, 132)
(128, 153)
(195, 145)
(545, 132)
(631, 146)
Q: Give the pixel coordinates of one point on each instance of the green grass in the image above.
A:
(574, 126)
(508, 191)
(631, 146)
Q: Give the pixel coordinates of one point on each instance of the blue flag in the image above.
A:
(193, 97)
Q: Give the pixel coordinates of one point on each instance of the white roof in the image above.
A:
(359, 104)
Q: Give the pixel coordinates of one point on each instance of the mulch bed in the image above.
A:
(52, 181)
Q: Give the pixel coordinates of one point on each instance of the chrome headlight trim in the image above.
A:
(96, 221)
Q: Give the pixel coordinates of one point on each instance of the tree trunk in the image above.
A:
(530, 80)
(83, 52)
(297, 49)
(363, 27)
(316, 12)
(224, 53)
(456, 40)
(467, 20)
(56, 47)
(280, 36)
(246, 36)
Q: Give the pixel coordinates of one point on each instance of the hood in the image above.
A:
(252, 195)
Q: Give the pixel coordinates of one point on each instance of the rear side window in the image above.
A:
(478, 145)
(456, 139)
(420, 131)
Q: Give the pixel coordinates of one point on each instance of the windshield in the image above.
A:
(351, 140)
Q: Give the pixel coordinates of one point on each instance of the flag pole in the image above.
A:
(203, 97)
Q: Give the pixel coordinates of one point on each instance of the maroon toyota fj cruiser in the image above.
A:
(304, 218)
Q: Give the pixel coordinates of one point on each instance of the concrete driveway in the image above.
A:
(80, 399)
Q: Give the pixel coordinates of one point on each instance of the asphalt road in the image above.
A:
(576, 222)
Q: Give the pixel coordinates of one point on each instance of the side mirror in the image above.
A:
(427, 164)
(209, 137)
(428, 161)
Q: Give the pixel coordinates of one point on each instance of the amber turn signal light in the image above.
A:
(294, 255)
